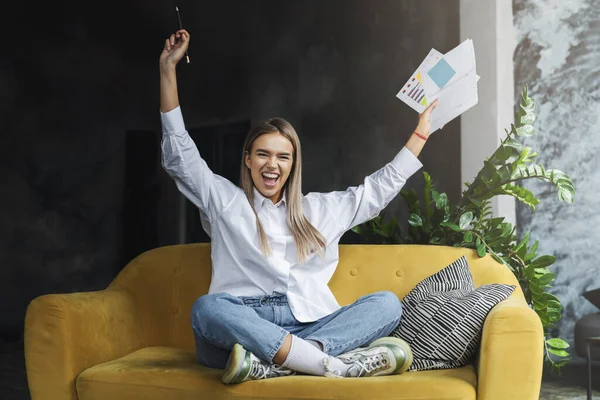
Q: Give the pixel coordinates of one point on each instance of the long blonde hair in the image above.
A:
(308, 239)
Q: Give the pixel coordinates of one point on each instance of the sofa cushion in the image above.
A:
(154, 373)
(443, 317)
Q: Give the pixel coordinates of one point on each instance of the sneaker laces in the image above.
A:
(329, 372)
(258, 370)
(372, 363)
(261, 370)
(365, 365)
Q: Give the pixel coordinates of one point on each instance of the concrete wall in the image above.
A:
(557, 56)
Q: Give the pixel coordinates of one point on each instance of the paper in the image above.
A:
(441, 73)
(451, 77)
(413, 92)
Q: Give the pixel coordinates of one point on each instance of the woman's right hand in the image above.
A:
(424, 119)
(175, 47)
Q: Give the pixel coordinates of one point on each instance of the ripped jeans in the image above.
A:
(260, 324)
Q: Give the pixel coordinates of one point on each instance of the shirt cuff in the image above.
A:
(172, 121)
(406, 163)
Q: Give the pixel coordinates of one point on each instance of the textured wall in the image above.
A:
(558, 56)
(73, 84)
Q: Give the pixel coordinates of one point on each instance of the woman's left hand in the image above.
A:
(424, 119)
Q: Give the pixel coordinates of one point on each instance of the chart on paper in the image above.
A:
(449, 77)
(413, 91)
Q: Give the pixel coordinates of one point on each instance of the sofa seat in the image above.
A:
(134, 340)
(173, 373)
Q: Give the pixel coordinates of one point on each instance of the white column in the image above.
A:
(489, 23)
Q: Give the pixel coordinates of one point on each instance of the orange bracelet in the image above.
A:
(419, 135)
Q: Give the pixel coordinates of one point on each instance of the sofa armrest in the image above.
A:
(512, 353)
(68, 333)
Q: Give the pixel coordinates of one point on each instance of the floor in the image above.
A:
(571, 384)
(554, 391)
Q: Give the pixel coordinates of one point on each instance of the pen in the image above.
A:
(187, 57)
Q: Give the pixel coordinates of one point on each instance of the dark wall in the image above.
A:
(75, 79)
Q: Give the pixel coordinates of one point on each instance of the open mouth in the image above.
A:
(270, 179)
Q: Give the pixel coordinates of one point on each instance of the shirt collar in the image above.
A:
(259, 199)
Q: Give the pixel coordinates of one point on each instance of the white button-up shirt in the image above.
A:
(238, 265)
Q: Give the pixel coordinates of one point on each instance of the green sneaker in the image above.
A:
(244, 366)
(385, 356)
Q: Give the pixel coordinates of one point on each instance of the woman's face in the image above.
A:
(270, 162)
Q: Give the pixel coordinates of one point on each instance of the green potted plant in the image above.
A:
(469, 223)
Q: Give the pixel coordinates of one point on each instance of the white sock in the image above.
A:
(304, 357)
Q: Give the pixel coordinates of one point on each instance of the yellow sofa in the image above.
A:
(133, 340)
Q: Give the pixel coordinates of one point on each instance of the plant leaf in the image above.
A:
(451, 225)
(562, 363)
(525, 130)
(520, 193)
(522, 244)
(481, 250)
(359, 229)
(532, 252)
(412, 200)
(562, 181)
(380, 232)
(442, 201)
(415, 220)
(555, 305)
(427, 195)
(546, 279)
(468, 237)
(543, 261)
(435, 240)
(560, 353)
(553, 315)
(465, 220)
(528, 119)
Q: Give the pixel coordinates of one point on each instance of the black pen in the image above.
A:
(187, 57)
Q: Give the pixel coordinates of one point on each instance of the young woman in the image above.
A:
(269, 311)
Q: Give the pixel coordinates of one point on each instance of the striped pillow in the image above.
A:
(443, 317)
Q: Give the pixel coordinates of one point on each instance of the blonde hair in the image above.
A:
(307, 238)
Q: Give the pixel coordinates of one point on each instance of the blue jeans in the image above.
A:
(260, 324)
